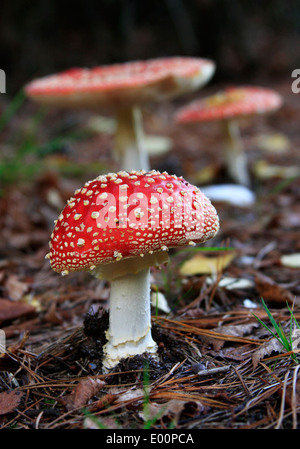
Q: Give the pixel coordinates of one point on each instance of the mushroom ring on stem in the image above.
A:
(227, 107)
(116, 227)
(124, 88)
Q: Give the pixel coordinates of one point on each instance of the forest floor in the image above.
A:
(218, 366)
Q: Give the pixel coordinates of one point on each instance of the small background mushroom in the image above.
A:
(227, 107)
(124, 88)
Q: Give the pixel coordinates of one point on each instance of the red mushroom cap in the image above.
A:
(230, 103)
(130, 83)
(124, 215)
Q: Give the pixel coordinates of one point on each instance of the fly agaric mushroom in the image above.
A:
(116, 227)
(228, 106)
(124, 87)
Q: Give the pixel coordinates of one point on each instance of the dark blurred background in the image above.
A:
(250, 40)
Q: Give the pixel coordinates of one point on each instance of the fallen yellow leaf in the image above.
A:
(263, 170)
(205, 175)
(275, 142)
(203, 264)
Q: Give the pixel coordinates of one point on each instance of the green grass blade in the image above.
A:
(272, 320)
(265, 326)
(280, 337)
(293, 316)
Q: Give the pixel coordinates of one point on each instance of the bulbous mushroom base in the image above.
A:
(114, 354)
(129, 332)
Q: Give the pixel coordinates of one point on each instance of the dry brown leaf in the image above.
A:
(240, 352)
(52, 315)
(84, 391)
(130, 394)
(266, 349)
(9, 310)
(172, 409)
(103, 402)
(90, 423)
(239, 330)
(295, 339)
(201, 264)
(9, 401)
(15, 288)
(100, 423)
(152, 411)
(270, 290)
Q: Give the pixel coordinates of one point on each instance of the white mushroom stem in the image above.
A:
(130, 147)
(129, 330)
(235, 158)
